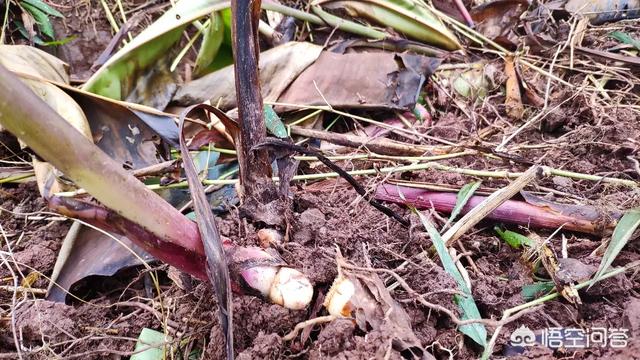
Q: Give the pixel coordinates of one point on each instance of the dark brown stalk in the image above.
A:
(258, 189)
(585, 219)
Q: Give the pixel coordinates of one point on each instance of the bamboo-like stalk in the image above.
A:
(25, 115)
(478, 213)
(132, 209)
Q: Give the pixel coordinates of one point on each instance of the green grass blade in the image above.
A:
(468, 307)
(464, 195)
(621, 235)
(625, 39)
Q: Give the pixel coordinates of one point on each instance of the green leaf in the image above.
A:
(533, 291)
(514, 239)
(464, 195)
(468, 307)
(148, 338)
(273, 123)
(42, 20)
(211, 41)
(621, 235)
(118, 76)
(226, 20)
(625, 39)
(42, 7)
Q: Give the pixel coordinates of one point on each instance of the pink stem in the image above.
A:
(464, 12)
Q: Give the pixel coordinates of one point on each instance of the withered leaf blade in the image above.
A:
(217, 269)
(372, 80)
(561, 279)
(278, 68)
(86, 252)
(513, 100)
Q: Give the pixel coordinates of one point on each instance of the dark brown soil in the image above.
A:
(259, 326)
(108, 314)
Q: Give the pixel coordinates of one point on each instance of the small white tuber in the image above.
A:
(338, 300)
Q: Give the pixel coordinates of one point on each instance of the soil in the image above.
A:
(107, 314)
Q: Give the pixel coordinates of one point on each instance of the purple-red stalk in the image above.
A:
(585, 219)
(253, 271)
(465, 13)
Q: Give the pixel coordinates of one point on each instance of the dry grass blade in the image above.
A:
(491, 203)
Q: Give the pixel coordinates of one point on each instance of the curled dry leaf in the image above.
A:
(361, 295)
(513, 100)
(497, 19)
(561, 276)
